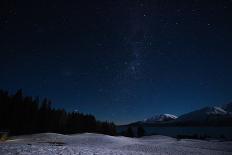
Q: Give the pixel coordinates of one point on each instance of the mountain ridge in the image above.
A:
(206, 116)
(160, 118)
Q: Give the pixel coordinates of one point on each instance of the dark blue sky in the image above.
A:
(119, 60)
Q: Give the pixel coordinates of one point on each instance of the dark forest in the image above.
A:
(21, 114)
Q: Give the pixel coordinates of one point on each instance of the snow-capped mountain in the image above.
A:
(228, 107)
(208, 116)
(160, 118)
(203, 114)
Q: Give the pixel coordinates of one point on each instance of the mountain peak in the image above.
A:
(214, 111)
(160, 118)
(227, 107)
(203, 114)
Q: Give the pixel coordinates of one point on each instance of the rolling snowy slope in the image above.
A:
(97, 144)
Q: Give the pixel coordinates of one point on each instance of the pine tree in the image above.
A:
(129, 132)
(140, 131)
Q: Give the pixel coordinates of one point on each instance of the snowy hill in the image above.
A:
(90, 144)
(160, 118)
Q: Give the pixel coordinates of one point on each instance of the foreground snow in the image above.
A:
(96, 144)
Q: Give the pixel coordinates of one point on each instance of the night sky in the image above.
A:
(120, 60)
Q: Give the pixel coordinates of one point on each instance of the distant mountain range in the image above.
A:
(228, 107)
(207, 116)
(160, 118)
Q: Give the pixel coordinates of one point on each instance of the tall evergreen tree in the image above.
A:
(129, 132)
(140, 131)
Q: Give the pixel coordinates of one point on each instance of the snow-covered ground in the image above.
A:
(97, 144)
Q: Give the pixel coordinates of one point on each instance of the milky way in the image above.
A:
(119, 60)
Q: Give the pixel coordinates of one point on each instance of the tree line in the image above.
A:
(133, 132)
(21, 114)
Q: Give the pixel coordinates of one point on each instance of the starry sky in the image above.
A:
(120, 60)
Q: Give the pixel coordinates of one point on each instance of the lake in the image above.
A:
(214, 132)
